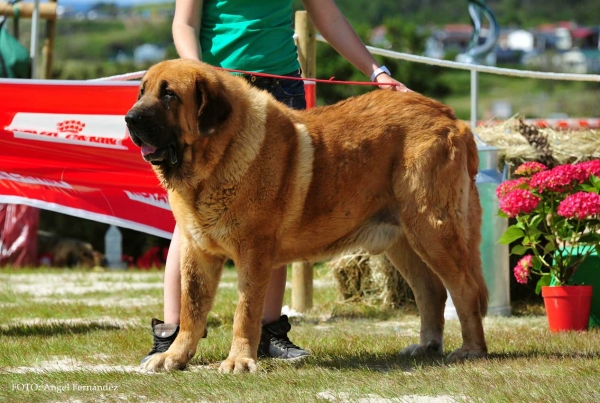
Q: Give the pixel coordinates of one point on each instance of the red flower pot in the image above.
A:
(567, 306)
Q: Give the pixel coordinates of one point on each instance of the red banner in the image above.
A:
(18, 233)
(64, 147)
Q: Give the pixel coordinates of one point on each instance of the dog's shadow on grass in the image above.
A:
(397, 362)
(54, 329)
(370, 362)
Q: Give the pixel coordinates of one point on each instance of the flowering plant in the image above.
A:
(558, 219)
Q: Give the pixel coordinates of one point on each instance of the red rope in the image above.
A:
(316, 80)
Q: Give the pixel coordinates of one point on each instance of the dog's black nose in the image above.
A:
(133, 117)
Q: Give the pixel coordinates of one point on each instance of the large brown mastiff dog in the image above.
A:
(252, 180)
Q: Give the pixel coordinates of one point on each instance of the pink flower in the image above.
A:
(530, 168)
(521, 270)
(590, 167)
(559, 178)
(519, 201)
(508, 186)
(580, 205)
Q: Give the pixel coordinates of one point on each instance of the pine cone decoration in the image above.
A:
(539, 142)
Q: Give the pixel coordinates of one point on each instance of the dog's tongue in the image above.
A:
(147, 149)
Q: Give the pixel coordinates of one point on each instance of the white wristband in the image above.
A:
(379, 71)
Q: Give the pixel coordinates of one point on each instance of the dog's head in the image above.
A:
(179, 102)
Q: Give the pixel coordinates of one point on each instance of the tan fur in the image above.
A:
(265, 185)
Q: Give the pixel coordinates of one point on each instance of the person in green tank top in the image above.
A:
(253, 36)
(256, 36)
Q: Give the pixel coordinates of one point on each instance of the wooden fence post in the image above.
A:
(48, 49)
(302, 272)
(47, 10)
(307, 44)
(307, 54)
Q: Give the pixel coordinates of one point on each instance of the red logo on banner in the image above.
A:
(109, 131)
(70, 126)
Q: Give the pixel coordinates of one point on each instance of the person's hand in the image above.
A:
(384, 82)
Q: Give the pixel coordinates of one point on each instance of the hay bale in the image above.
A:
(369, 278)
(567, 146)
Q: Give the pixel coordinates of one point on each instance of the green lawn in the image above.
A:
(75, 336)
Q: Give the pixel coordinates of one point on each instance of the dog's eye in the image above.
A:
(166, 94)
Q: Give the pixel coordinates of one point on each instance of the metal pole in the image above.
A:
(474, 91)
(35, 19)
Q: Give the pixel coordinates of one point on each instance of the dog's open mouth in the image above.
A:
(157, 156)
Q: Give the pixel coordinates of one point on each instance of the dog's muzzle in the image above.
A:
(139, 129)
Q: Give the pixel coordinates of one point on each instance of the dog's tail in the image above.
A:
(474, 218)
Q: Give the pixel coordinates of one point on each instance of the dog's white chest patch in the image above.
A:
(196, 233)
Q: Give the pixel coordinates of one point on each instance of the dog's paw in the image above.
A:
(462, 354)
(419, 350)
(163, 362)
(238, 365)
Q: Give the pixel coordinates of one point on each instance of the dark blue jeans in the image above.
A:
(290, 92)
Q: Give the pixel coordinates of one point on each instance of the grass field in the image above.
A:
(76, 336)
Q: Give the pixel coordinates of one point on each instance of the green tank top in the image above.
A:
(249, 35)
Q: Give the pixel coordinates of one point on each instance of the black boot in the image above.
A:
(164, 335)
(274, 341)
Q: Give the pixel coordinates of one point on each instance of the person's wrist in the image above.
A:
(379, 71)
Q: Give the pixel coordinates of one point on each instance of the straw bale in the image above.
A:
(370, 278)
(566, 145)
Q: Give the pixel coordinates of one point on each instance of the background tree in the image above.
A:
(402, 36)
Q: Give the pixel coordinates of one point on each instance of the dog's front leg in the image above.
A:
(200, 275)
(253, 280)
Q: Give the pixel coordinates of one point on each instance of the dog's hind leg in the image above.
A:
(439, 219)
(442, 244)
(430, 296)
(200, 275)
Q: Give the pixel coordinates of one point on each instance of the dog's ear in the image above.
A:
(213, 106)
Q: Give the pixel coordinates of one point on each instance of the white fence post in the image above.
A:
(474, 92)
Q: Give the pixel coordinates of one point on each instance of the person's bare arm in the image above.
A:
(186, 28)
(334, 27)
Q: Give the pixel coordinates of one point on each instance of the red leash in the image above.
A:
(316, 80)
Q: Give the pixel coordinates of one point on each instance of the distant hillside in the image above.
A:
(523, 13)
